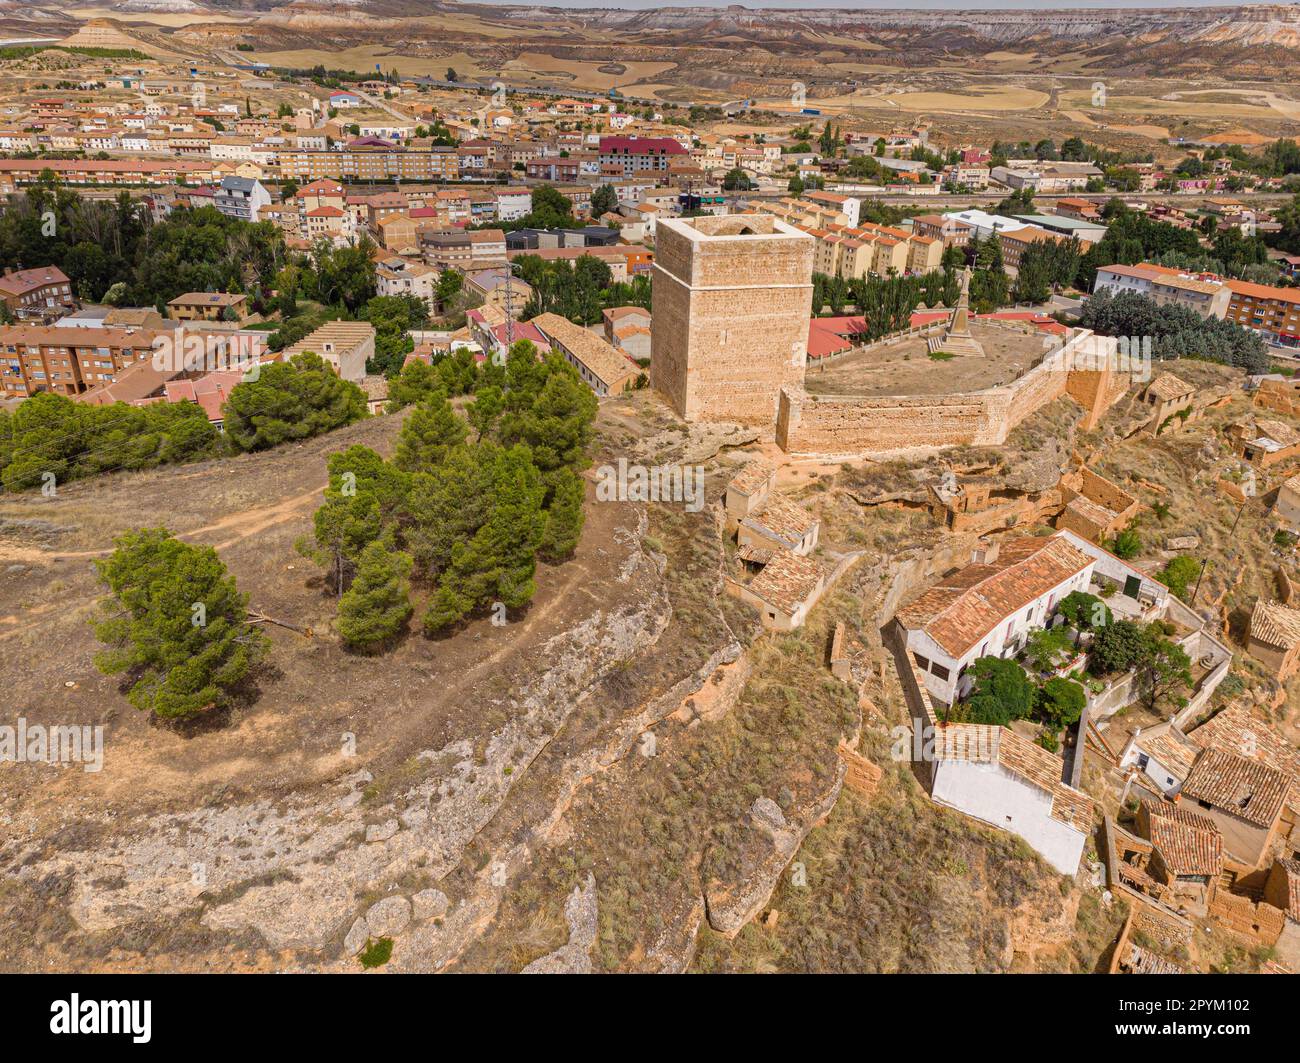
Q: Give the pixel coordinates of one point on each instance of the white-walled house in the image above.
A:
(990, 607)
(997, 776)
(1007, 781)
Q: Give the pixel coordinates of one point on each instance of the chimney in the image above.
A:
(985, 552)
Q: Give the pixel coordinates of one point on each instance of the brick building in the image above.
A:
(633, 155)
(37, 292)
(1273, 312)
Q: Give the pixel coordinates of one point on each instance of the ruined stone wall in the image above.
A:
(841, 424)
(731, 317)
(1259, 921)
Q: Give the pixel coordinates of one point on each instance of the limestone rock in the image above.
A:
(429, 904)
(389, 916)
(767, 813)
(356, 938)
(381, 832)
(575, 957)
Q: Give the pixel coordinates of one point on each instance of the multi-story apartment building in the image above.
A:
(371, 164)
(66, 361)
(15, 173)
(397, 276)
(949, 231)
(634, 155)
(852, 252)
(1207, 296)
(1272, 312)
(36, 293)
(241, 197)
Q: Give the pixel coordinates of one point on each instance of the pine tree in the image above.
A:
(364, 497)
(378, 604)
(557, 422)
(431, 430)
(564, 517)
(499, 562)
(489, 401)
(448, 504)
(176, 622)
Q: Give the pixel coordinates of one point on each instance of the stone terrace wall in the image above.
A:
(841, 424)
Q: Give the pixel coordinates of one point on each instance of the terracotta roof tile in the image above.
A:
(1248, 789)
(965, 607)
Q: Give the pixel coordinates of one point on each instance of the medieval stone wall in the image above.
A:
(841, 424)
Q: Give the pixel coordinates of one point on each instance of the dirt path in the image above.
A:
(250, 522)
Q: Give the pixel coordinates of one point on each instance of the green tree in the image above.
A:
(1180, 574)
(564, 516)
(375, 609)
(365, 495)
(604, 199)
(1048, 648)
(1117, 647)
(431, 429)
(1060, 702)
(489, 401)
(1164, 674)
(1002, 692)
(557, 421)
(1127, 544)
(175, 623)
(735, 180)
(448, 504)
(498, 564)
(416, 383)
(1084, 611)
(290, 401)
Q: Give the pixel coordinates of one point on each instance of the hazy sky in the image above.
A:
(863, 5)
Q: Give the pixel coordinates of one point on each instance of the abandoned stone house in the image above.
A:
(1246, 798)
(1095, 507)
(1233, 769)
(1167, 396)
(1264, 443)
(1282, 890)
(774, 536)
(1275, 637)
(977, 504)
(1279, 394)
(781, 525)
(785, 589)
(748, 490)
(1286, 507)
(1186, 851)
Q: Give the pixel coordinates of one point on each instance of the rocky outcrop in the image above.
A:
(753, 873)
(575, 956)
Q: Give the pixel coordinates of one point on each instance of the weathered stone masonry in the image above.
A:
(732, 300)
(841, 424)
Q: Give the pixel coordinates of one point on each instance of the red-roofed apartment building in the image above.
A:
(39, 292)
(635, 155)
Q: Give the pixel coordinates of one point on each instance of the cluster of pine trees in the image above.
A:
(467, 517)
(51, 439)
(887, 303)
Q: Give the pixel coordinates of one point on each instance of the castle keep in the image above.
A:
(732, 299)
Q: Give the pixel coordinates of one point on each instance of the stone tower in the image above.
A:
(732, 300)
